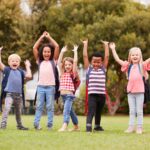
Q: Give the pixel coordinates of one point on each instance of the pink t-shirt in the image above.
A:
(135, 81)
(46, 75)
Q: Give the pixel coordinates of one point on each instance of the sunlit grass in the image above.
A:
(113, 138)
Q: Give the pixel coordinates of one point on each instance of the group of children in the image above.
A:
(48, 60)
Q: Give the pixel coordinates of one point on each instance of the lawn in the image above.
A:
(113, 138)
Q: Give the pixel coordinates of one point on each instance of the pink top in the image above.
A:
(66, 82)
(46, 75)
(135, 81)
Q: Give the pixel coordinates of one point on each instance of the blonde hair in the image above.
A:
(66, 59)
(133, 49)
(14, 56)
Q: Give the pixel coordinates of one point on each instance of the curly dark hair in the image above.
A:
(41, 51)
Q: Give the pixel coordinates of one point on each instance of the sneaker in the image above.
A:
(37, 128)
(62, 130)
(98, 129)
(22, 128)
(88, 131)
(139, 130)
(2, 128)
(49, 128)
(129, 130)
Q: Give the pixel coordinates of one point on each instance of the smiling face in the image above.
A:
(135, 55)
(68, 66)
(96, 62)
(46, 53)
(14, 61)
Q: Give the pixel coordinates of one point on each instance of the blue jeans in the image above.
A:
(135, 102)
(68, 109)
(45, 94)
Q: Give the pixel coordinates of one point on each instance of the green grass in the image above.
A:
(113, 138)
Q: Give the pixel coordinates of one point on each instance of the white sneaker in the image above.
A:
(62, 130)
(129, 130)
(38, 128)
(139, 130)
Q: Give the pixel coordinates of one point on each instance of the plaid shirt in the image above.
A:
(66, 82)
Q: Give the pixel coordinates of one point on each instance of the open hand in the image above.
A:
(27, 63)
(112, 45)
(75, 48)
(85, 42)
(105, 42)
(64, 49)
(1, 48)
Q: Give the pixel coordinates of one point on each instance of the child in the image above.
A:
(12, 88)
(67, 68)
(135, 68)
(45, 57)
(96, 78)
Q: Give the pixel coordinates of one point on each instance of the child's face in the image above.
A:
(68, 66)
(46, 53)
(135, 57)
(96, 62)
(14, 63)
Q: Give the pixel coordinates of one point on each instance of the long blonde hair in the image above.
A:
(133, 49)
(66, 59)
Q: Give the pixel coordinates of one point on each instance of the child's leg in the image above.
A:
(18, 105)
(91, 112)
(99, 107)
(139, 110)
(50, 105)
(39, 106)
(132, 112)
(8, 103)
(132, 109)
(67, 109)
(67, 100)
(73, 117)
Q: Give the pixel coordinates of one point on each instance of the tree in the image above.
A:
(124, 22)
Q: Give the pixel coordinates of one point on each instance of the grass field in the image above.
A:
(113, 138)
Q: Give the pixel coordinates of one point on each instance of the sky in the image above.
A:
(25, 7)
(144, 1)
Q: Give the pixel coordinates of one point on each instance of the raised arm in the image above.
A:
(1, 64)
(115, 55)
(59, 62)
(147, 61)
(106, 56)
(85, 54)
(75, 60)
(28, 74)
(54, 43)
(36, 47)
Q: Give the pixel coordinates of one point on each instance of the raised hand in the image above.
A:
(105, 42)
(27, 63)
(64, 49)
(1, 48)
(112, 45)
(75, 48)
(85, 42)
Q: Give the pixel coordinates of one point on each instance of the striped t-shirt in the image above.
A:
(97, 80)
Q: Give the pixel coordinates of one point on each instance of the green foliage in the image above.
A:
(122, 21)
